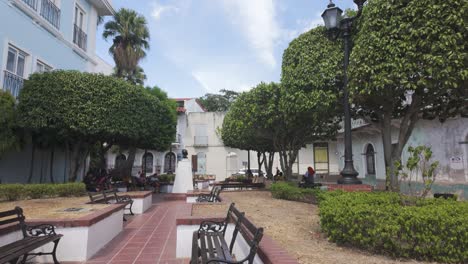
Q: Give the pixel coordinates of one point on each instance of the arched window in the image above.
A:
(370, 159)
(147, 162)
(119, 160)
(169, 162)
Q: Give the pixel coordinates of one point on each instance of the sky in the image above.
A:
(203, 46)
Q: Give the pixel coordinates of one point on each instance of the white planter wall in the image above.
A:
(140, 205)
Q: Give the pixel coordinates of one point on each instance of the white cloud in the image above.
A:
(158, 10)
(214, 80)
(257, 21)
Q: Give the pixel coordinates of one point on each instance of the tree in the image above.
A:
(218, 102)
(238, 134)
(286, 117)
(76, 110)
(137, 77)
(9, 139)
(408, 63)
(130, 39)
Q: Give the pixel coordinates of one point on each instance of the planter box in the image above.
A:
(166, 188)
(142, 201)
(82, 237)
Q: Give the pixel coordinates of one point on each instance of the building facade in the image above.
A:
(152, 161)
(43, 35)
(38, 36)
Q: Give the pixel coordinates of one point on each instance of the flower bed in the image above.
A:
(429, 229)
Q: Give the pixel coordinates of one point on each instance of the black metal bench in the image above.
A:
(241, 186)
(210, 246)
(109, 197)
(33, 238)
(212, 197)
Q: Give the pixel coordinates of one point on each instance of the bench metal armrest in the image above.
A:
(204, 198)
(213, 226)
(124, 198)
(40, 230)
(214, 260)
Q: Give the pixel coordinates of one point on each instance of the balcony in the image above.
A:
(48, 10)
(51, 13)
(200, 141)
(31, 3)
(12, 83)
(79, 37)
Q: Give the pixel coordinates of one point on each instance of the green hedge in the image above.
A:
(289, 191)
(430, 229)
(166, 177)
(13, 192)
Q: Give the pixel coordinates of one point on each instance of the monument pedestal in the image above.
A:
(183, 180)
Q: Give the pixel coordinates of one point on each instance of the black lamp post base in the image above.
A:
(349, 180)
(349, 174)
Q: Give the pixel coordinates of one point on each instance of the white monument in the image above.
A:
(183, 180)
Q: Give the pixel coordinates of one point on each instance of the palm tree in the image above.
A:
(130, 39)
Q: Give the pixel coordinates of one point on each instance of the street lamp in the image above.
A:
(338, 25)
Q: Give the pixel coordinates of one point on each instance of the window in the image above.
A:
(16, 60)
(42, 67)
(321, 158)
(370, 159)
(79, 36)
(147, 162)
(169, 162)
(119, 160)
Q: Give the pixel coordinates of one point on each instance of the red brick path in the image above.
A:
(147, 238)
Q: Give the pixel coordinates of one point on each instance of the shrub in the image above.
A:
(289, 191)
(166, 177)
(431, 229)
(13, 192)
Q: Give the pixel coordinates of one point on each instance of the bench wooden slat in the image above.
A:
(203, 246)
(8, 213)
(21, 247)
(221, 247)
(211, 250)
(9, 221)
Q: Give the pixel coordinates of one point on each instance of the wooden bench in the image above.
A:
(33, 238)
(209, 244)
(212, 197)
(109, 197)
(241, 185)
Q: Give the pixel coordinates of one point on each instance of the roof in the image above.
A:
(104, 7)
(181, 109)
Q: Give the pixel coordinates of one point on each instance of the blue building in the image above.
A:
(42, 35)
(38, 36)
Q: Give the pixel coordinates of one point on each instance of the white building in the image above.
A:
(156, 161)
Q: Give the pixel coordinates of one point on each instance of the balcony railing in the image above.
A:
(79, 37)
(31, 3)
(200, 141)
(50, 12)
(12, 83)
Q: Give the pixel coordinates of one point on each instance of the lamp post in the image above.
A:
(337, 25)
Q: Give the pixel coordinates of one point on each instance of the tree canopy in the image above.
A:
(130, 35)
(8, 136)
(82, 108)
(274, 118)
(218, 102)
(409, 61)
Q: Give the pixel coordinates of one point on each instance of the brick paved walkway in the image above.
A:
(147, 238)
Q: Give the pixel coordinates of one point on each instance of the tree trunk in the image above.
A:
(269, 163)
(31, 164)
(287, 158)
(67, 155)
(42, 169)
(51, 165)
(76, 159)
(129, 162)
